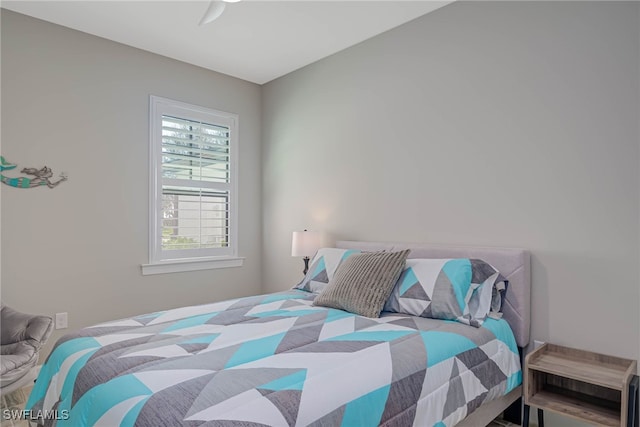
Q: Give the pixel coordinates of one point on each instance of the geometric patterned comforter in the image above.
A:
(275, 360)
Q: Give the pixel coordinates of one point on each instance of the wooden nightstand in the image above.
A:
(588, 386)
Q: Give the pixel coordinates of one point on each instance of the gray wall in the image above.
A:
(498, 124)
(80, 104)
(503, 124)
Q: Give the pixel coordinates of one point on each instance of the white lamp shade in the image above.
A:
(305, 243)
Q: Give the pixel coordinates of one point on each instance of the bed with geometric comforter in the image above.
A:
(275, 360)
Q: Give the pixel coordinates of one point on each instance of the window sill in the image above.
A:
(193, 264)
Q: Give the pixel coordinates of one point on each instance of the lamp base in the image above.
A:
(306, 265)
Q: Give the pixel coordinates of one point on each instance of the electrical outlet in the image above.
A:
(61, 321)
(537, 344)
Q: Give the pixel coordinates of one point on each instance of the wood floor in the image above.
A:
(14, 401)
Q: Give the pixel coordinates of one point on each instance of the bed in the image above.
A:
(279, 360)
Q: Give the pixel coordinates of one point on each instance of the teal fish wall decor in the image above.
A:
(41, 176)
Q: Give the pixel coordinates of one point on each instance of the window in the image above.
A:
(193, 217)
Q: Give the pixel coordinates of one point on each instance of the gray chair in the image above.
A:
(21, 336)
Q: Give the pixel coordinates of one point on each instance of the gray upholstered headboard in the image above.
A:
(514, 264)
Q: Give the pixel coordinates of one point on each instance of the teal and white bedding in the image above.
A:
(275, 360)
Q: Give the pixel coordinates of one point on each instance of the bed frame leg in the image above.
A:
(513, 413)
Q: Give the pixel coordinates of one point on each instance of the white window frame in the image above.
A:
(191, 259)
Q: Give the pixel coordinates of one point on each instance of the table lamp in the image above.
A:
(305, 243)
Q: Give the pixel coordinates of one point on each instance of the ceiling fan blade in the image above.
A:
(215, 9)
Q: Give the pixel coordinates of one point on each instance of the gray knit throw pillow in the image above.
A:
(363, 282)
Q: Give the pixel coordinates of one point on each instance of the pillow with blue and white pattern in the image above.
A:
(465, 290)
(322, 268)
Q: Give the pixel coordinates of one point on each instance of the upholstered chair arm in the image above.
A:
(16, 326)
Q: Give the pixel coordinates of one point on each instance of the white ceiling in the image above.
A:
(255, 40)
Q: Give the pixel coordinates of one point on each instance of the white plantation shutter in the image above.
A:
(194, 150)
(194, 189)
